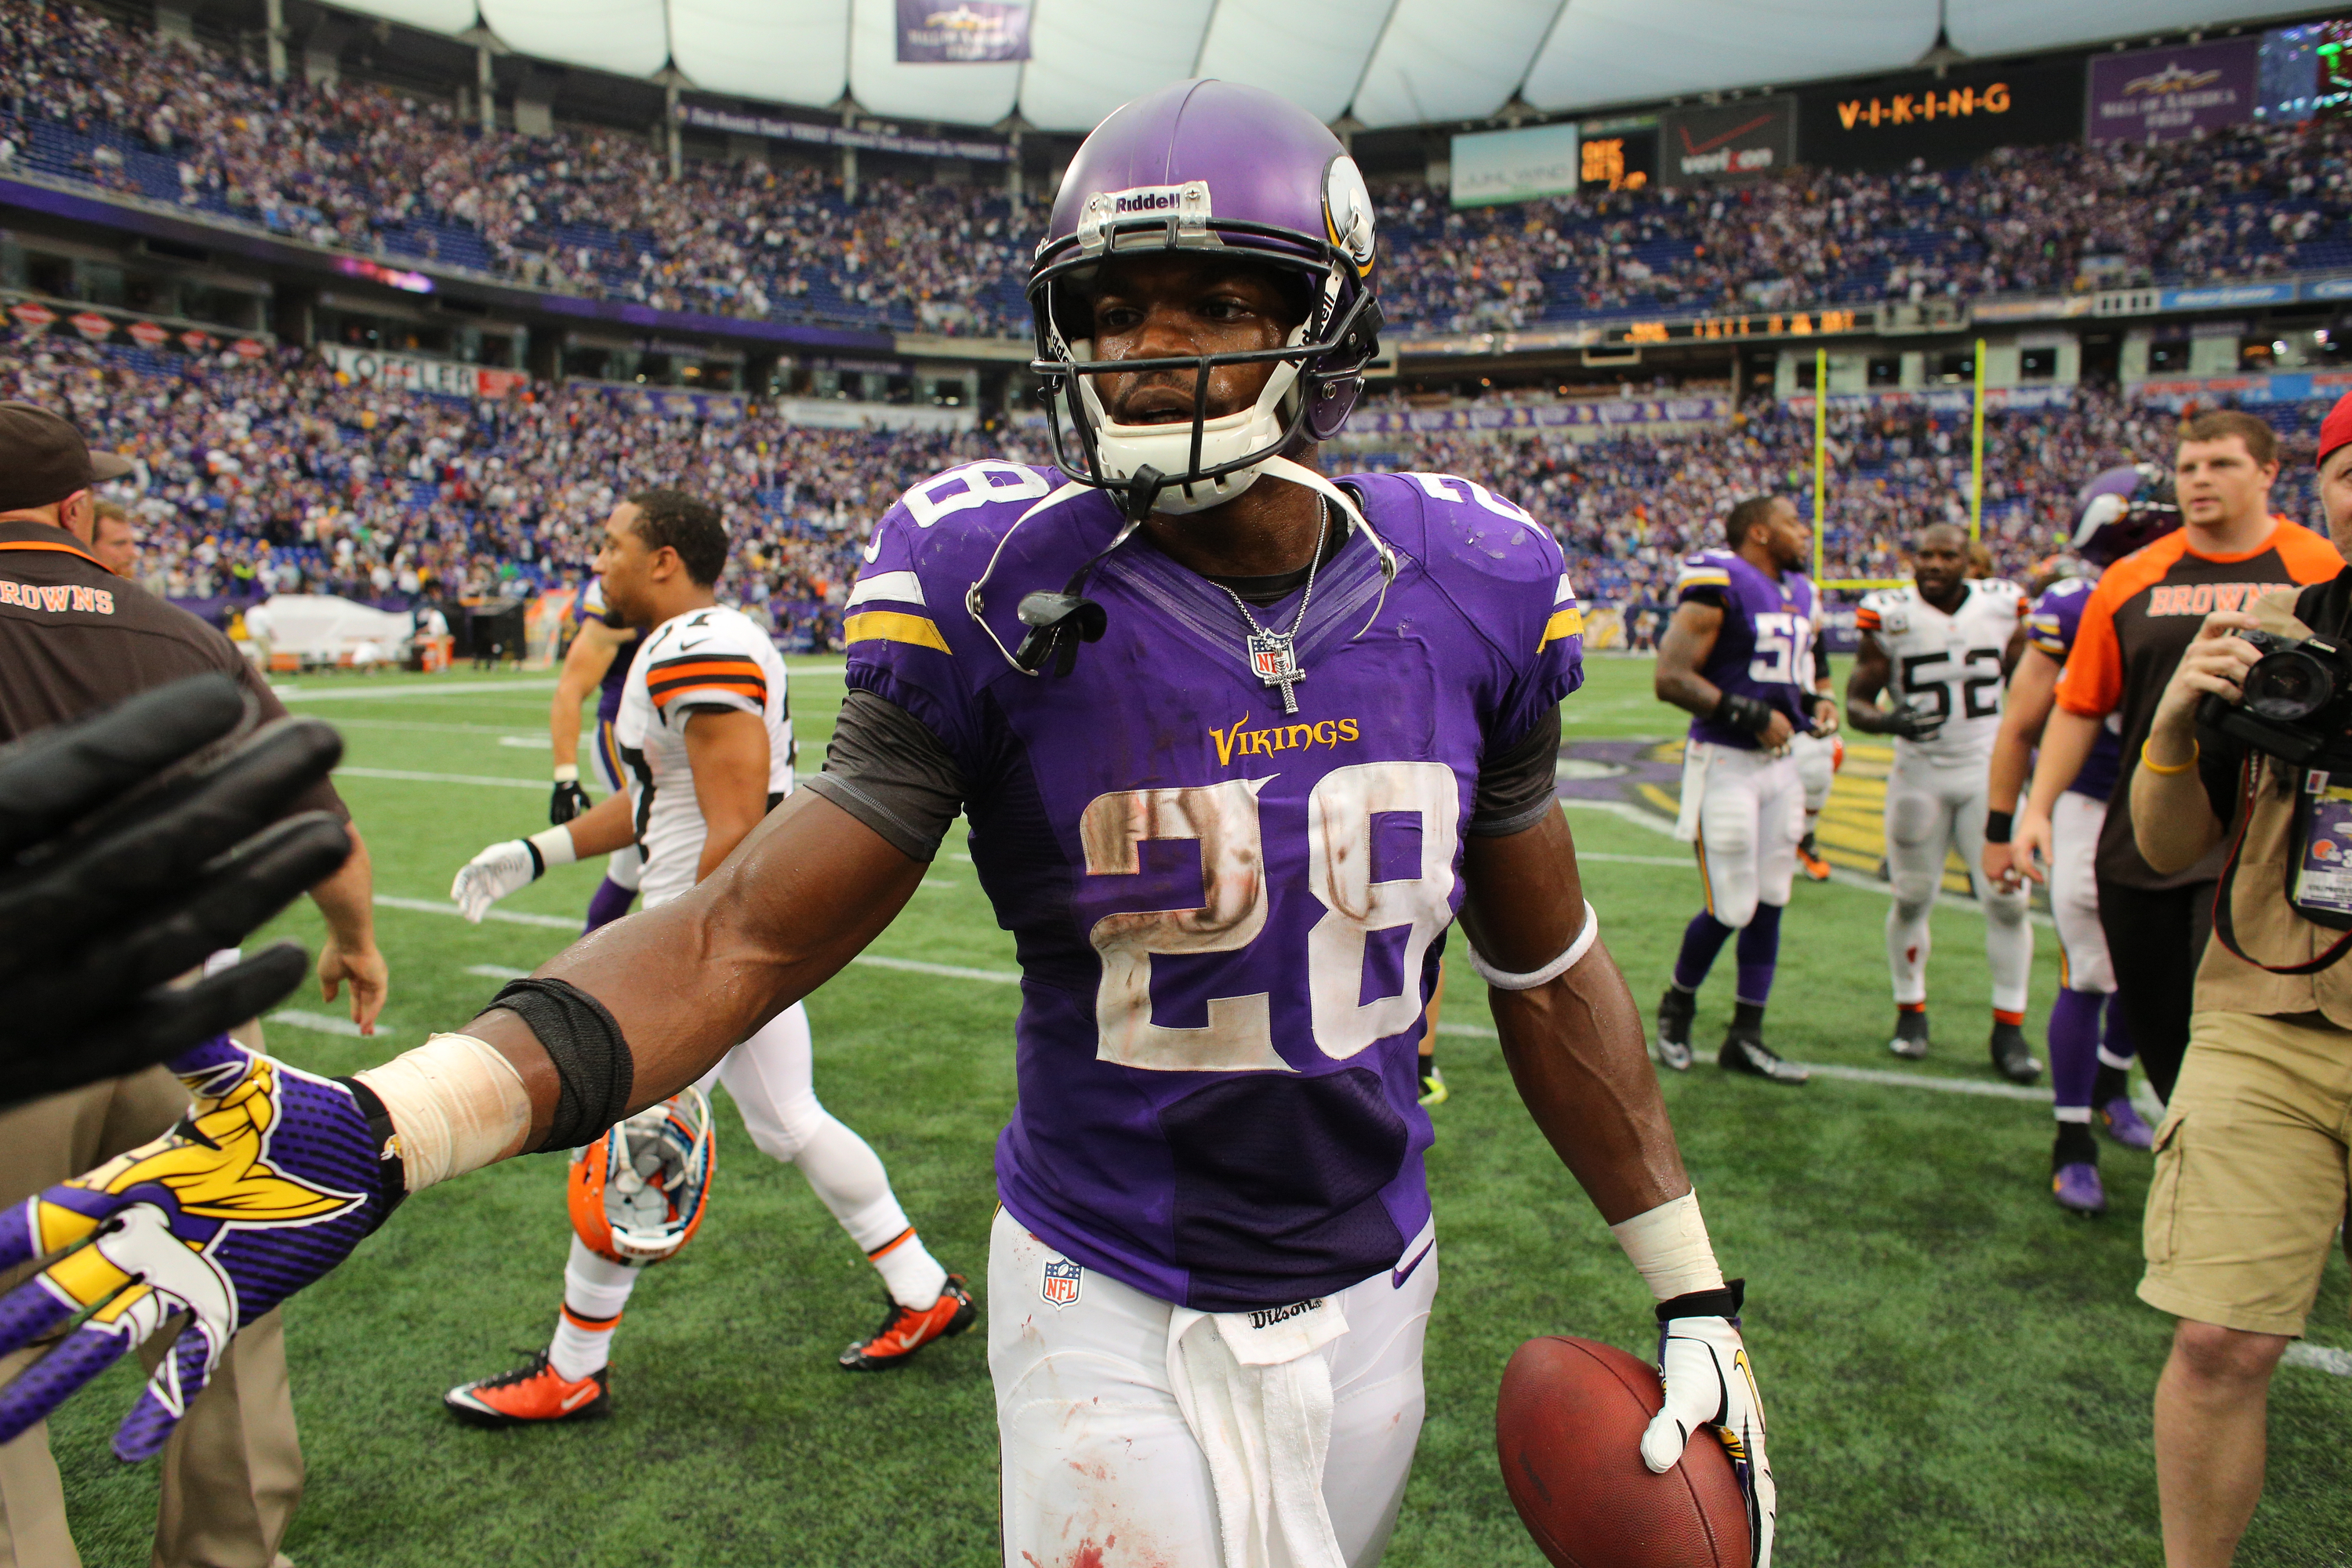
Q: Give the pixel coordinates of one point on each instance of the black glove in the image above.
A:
(1913, 724)
(113, 884)
(568, 801)
(1752, 715)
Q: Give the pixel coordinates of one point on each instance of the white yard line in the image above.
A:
(495, 971)
(320, 1023)
(505, 917)
(477, 781)
(2320, 1358)
(385, 693)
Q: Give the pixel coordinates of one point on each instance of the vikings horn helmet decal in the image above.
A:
(2122, 511)
(1216, 166)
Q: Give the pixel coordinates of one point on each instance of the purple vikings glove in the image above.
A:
(269, 1181)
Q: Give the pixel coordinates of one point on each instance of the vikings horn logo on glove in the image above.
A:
(270, 1179)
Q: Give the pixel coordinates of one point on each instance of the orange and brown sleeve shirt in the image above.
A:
(2141, 617)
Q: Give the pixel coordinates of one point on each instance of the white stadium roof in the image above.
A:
(1388, 62)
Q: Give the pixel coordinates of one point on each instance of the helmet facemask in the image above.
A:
(1188, 466)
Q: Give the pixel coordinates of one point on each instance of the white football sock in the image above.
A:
(909, 1272)
(595, 1290)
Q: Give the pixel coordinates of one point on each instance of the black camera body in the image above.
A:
(2296, 702)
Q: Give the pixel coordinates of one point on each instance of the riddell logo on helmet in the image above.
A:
(1148, 199)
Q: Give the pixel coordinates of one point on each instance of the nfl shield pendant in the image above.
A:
(1275, 664)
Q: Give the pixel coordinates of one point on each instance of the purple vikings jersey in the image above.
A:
(590, 608)
(1764, 649)
(1228, 918)
(2056, 616)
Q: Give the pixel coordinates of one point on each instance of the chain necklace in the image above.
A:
(1271, 655)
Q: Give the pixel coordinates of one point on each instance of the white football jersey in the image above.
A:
(715, 658)
(1949, 665)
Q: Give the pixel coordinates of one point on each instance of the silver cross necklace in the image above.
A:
(1271, 655)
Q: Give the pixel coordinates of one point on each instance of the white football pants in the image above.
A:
(770, 1078)
(1744, 812)
(1099, 1465)
(1931, 810)
(2083, 962)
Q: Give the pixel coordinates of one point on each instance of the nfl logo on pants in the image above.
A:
(1060, 1285)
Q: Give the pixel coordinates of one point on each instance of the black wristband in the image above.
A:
(537, 861)
(1742, 711)
(392, 1171)
(595, 1070)
(1999, 824)
(1724, 1303)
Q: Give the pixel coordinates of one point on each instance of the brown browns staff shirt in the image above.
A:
(75, 637)
(2141, 619)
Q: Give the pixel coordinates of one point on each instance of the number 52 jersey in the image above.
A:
(1950, 664)
(1228, 917)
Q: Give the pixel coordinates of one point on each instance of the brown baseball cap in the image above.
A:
(43, 459)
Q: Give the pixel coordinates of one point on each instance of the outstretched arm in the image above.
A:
(803, 894)
(2032, 693)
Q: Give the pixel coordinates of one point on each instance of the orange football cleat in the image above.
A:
(1812, 865)
(905, 1331)
(531, 1393)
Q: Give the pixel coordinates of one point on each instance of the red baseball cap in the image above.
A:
(2336, 430)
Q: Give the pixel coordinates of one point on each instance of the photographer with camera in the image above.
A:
(2252, 729)
(2144, 613)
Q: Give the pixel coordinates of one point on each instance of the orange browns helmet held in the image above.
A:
(638, 1193)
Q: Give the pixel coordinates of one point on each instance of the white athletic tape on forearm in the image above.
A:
(1669, 1246)
(457, 1104)
(1503, 980)
(567, 773)
(554, 847)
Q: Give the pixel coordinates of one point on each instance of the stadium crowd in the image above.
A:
(255, 477)
(272, 476)
(358, 165)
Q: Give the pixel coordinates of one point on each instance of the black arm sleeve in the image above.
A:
(1519, 783)
(886, 769)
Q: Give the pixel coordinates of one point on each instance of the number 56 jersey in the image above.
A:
(1949, 665)
(1228, 917)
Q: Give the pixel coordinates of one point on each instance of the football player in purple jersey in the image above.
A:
(1738, 657)
(2091, 1048)
(1238, 745)
(602, 653)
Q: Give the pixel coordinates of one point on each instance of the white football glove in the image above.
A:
(493, 874)
(1710, 1383)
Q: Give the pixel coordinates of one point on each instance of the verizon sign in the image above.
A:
(1738, 140)
(407, 373)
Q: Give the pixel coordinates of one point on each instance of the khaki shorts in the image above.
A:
(2252, 1160)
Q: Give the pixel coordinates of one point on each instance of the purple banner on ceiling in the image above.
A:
(2164, 95)
(961, 32)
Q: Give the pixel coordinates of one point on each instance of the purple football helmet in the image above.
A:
(1213, 166)
(2123, 509)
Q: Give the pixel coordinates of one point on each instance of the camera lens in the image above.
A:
(2288, 686)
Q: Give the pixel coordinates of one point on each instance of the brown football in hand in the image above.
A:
(1568, 1426)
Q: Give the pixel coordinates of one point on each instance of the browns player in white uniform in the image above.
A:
(705, 746)
(1942, 650)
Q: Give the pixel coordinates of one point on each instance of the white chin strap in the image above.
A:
(1122, 450)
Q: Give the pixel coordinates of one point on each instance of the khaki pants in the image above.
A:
(233, 1470)
(2252, 1160)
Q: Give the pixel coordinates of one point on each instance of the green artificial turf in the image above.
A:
(1957, 1373)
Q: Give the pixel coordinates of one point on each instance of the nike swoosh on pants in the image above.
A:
(1398, 1276)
